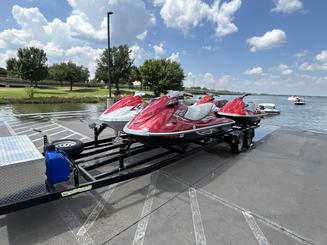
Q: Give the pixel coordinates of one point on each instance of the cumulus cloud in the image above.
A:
(158, 50)
(79, 37)
(287, 6)
(208, 80)
(306, 66)
(254, 71)
(301, 55)
(174, 57)
(269, 40)
(186, 14)
(139, 54)
(142, 36)
(319, 65)
(322, 56)
(284, 69)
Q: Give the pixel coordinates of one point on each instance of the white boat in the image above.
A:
(299, 101)
(269, 108)
(292, 98)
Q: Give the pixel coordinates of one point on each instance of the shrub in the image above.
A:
(29, 92)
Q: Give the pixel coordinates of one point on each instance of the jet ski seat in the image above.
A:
(197, 112)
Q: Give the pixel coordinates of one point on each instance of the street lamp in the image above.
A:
(108, 24)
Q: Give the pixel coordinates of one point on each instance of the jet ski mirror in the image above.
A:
(172, 103)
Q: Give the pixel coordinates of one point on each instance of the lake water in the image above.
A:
(312, 116)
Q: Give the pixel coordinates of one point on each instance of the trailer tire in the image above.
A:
(249, 138)
(238, 143)
(71, 147)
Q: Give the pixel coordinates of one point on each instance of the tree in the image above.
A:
(162, 75)
(69, 72)
(32, 63)
(12, 67)
(57, 72)
(120, 65)
(3, 72)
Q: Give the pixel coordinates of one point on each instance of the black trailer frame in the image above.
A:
(105, 153)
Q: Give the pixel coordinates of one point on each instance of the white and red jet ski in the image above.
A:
(121, 112)
(242, 113)
(167, 121)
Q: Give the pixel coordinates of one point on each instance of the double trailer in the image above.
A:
(92, 165)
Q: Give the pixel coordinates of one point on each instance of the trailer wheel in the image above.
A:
(249, 138)
(237, 143)
(71, 147)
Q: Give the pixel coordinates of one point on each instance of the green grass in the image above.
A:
(58, 95)
(48, 92)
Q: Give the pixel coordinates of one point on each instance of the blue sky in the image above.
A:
(270, 46)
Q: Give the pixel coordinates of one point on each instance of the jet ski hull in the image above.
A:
(178, 138)
(116, 125)
(244, 119)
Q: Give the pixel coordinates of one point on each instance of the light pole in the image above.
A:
(108, 24)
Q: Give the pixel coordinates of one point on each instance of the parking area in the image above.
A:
(272, 194)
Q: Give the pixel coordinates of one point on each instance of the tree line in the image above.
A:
(159, 75)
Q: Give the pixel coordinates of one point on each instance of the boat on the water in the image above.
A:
(299, 101)
(242, 113)
(269, 108)
(292, 98)
(168, 121)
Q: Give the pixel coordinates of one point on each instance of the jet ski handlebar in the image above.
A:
(243, 96)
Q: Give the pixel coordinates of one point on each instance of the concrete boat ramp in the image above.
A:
(275, 193)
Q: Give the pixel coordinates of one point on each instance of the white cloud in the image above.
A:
(5, 56)
(130, 19)
(284, 69)
(269, 40)
(53, 49)
(322, 56)
(79, 37)
(158, 50)
(139, 54)
(14, 38)
(313, 67)
(142, 36)
(174, 57)
(287, 6)
(254, 71)
(207, 47)
(319, 65)
(208, 80)
(186, 14)
(301, 55)
(223, 16)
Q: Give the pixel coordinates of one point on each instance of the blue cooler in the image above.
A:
(57, 165)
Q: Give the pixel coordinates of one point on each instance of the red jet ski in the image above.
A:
(241, 113)
(121, 112)
(211, 99)
(167, 122)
